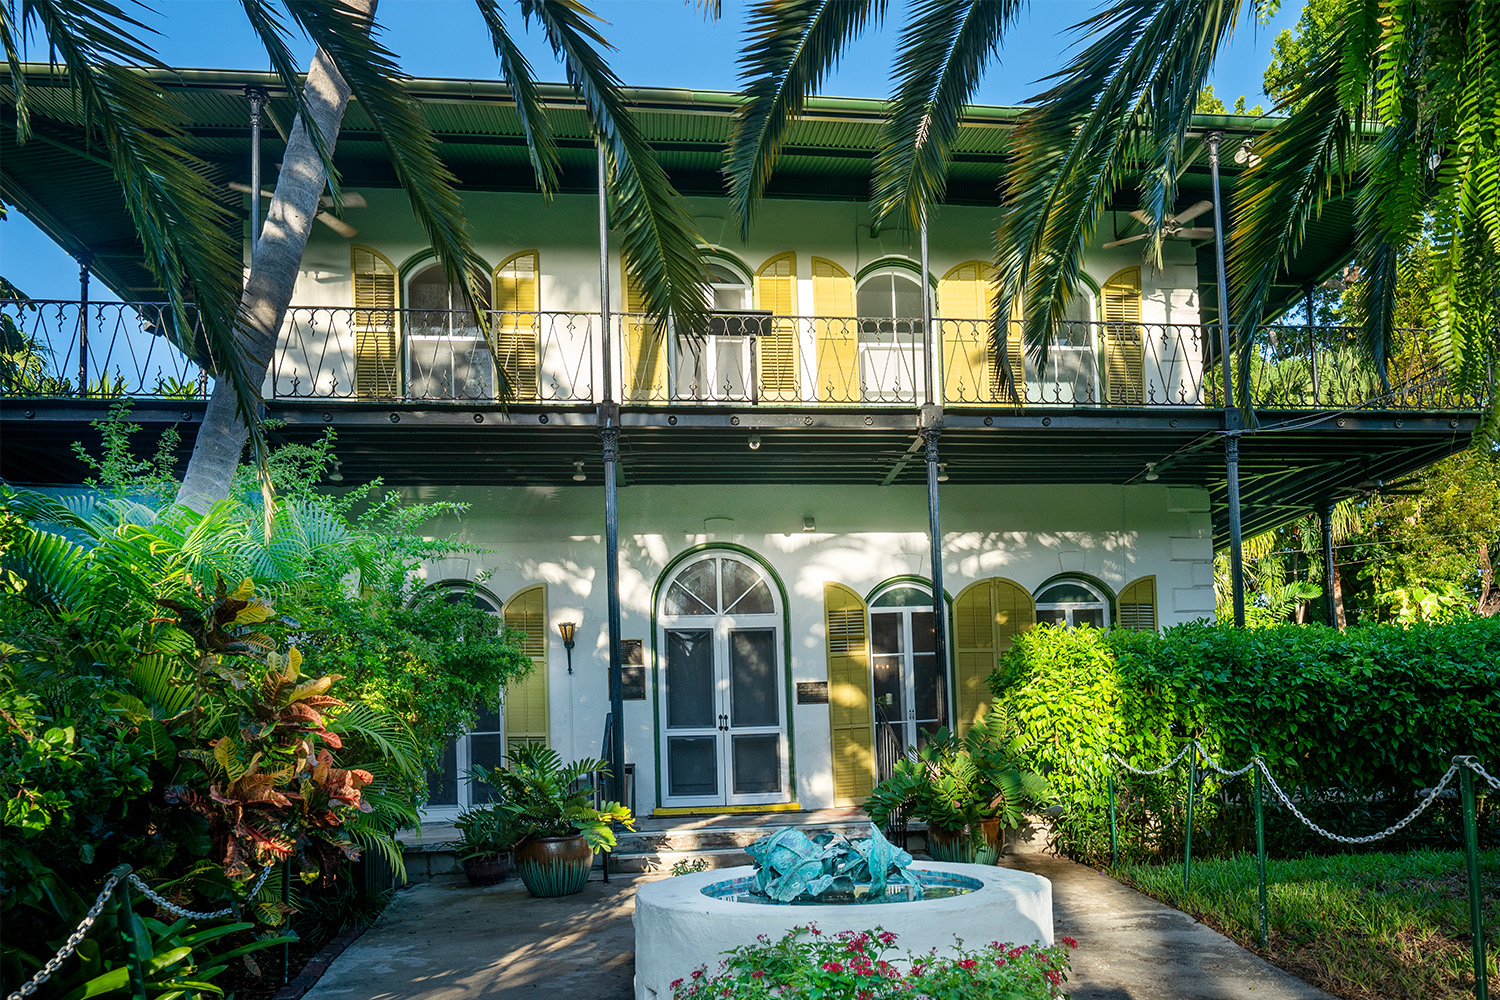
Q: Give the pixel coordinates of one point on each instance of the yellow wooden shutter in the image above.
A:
(851, 714)
(377, 357)
(1124, 339)
(645, 347)
(526, 699)
(987, 616)
(1137, 605)
(837, 333)
(517, 325)
(776, 290)
(966, 305)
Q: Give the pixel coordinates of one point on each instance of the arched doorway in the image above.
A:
(889, 303)
(910, 687)
(446, 356)
(722, 692)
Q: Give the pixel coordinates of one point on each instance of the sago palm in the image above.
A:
(186, 227)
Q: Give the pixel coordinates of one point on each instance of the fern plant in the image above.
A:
(545, 798)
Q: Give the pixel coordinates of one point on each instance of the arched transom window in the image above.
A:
(1072, 602)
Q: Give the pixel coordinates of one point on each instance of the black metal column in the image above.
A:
(935, 537)
(1330, 569)
(257, 98)
(83, 325)
(611, 438)
(1232, 419)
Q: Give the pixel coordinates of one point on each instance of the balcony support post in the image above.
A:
(605, 341)
(1312, 344)
(930, 434)
(257, 98)
(932, 348)
(83, 324)
(1232, 417)
(1330, 569)
(610, 437)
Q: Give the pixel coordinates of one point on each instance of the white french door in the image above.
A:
(723, 711)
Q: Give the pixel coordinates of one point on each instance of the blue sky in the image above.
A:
(661, 43)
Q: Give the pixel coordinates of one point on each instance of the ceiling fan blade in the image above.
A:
(247, 189)
(1139, 215)
(337, 225)
(1194, 234)
(1128, 239)
(352, 199)
(1192, 212)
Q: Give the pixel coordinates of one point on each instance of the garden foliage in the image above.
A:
(865, 966)
(1355, 722)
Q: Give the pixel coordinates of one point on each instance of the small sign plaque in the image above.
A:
(812, 692)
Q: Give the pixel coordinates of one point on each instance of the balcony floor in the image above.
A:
(1291, 463)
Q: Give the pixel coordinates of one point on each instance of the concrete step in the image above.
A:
(663, 861)
(689, 839)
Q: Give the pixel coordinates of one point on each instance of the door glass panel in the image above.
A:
(757, 764)
(930, 698)
(922, 640)
(890, 700)
(690, 678)
(442, 781)
(744, 590)
(1056, 616)
(752, 678)
(1089, 616)
(487, 719)
(885, 633)
(731, 372)
(693, 765)
(695, 591)
(485, 751)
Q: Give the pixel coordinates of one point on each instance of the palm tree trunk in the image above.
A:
(273, 274)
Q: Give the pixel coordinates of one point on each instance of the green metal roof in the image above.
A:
(67, 187)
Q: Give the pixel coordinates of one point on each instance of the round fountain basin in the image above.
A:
(687, 921)
(935, 885)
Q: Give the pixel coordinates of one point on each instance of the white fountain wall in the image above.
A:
(678, 928)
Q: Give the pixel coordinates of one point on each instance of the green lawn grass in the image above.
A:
(1361, 926)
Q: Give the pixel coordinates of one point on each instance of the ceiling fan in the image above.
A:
(352, 199)
(1173, 227)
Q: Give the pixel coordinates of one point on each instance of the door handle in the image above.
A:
(723, 723)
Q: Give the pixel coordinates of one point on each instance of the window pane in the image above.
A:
(904, 597)
(1089, 616)
(693, 765)
(885, 634)
(874, 297)
(1067, 593)
(484, 752)
(442, 782)
(1056, 616)
(752, 678)
(930, 690)
(487, 718)
(908, 297)
(744, 590)
(757, 764)
(690, 678)
(890, 698)
(695, 591)
(922, 640)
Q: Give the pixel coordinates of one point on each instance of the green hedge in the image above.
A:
(1359, 721)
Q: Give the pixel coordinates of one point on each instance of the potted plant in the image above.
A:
(551, 809)
(965, 790)
(486, 836)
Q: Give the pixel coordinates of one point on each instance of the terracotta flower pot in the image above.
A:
(487, 869)
(554, 866)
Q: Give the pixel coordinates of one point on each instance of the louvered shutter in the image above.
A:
(526, 699)
(645, 347)
(776, 348)
(517, 325)
(987, 616)
(1124, 339)
(850, 699)
(837, 333)
(377, 357)
(1137, 605)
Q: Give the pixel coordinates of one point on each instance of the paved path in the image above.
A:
(444, 940)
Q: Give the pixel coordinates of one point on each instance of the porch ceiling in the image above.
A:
(1287, 466)
(63, 183)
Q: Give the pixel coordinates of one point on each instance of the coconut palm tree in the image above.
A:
(185, 227)
(1397, 103)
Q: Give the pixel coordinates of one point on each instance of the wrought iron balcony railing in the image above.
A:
(118, 350)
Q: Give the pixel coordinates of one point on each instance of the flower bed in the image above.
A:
(864, 965)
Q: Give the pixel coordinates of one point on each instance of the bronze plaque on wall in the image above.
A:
(812, 692)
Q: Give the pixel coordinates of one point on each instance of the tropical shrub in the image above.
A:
(1355, 722)
(864, 966)
(543, 797)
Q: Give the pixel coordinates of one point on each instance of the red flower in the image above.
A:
(1070, 942)
(758, 974)
(676, 983)
(887, 938)
(967, 964)
(1055, 978)
(697, 973)
(834, 967)
(999, 962)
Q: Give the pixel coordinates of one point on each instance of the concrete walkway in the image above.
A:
(444, 940)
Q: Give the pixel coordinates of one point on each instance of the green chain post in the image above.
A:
(1471, 858)
(286, 896)
(1260, 851)
(1187, 845)
(126, 923)
(1114, 835)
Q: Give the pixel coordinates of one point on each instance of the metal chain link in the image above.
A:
(1472, 763)
(1160, 770)
(1393, 828)
(87, 924)
(71, 945)
(1215, 764)
(173, 908)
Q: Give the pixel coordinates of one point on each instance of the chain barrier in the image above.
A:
(1215, 764)
(1395, 827)
(1160, 770)
(87, 923)
(1472, 763)
(71, 945)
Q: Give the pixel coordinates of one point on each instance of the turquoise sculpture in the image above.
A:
(792, 867)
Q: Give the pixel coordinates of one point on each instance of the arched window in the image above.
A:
(889, 303)
(446, 356)
(448, 787)
(723, 681)
(714, 364)
(1072, 602)
(909, 685)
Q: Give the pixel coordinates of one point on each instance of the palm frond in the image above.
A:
(790, 46)
(390, 735)
(541, 147)
(659, 238)
(945, 48)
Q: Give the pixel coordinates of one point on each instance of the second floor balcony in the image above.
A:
(61, 349)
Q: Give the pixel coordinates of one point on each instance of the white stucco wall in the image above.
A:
(864, 536)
